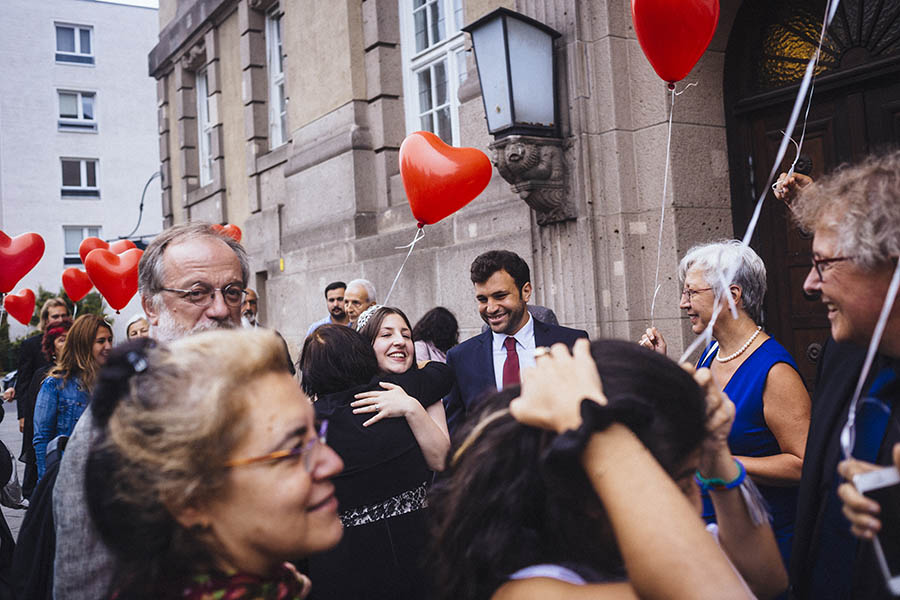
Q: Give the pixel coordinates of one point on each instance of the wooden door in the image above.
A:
(855, 112)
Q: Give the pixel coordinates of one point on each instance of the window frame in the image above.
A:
(83, 190)
(79, 123)
(74, 258)
(204, 128)
(451, 49)
(85, 59)
(277, 118)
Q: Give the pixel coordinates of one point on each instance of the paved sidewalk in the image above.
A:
(9, 434)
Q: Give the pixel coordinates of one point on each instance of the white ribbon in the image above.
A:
(420, 233)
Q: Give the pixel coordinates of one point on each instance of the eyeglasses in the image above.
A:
(691, 293)
(308, 451)
(821, 264)
(203, 294)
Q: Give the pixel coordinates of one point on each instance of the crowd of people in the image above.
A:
(196, 459)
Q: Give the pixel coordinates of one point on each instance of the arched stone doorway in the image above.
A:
(855, 111)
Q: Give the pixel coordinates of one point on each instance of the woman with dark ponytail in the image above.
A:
(209, 471)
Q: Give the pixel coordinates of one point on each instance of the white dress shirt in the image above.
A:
(524, 348)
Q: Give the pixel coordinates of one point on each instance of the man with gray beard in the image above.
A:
(191, 279)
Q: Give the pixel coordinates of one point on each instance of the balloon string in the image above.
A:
(662, 210)
(723, 288)
(848, 433)
(420, 233)
(74, 310)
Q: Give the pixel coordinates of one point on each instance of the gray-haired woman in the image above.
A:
(756, 372)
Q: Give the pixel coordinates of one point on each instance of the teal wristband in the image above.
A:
(716, 483)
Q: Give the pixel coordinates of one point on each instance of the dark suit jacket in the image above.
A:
(839, 370)
(30, 360)
(473, 367)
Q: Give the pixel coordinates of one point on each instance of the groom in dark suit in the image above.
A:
(492, 360)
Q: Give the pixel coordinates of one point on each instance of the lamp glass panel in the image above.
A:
(531, 64)
(490, 53)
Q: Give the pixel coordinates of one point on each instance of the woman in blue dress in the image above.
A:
(755, 371)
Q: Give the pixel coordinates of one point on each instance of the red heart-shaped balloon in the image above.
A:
(76, 283)
(92, 243)
(88, 244)
(674, 34)
(120, 246)
(440, 179)
(18, 256)
(114, 275)
(232, 231)
(20, 306)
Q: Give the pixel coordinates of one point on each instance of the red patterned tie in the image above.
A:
(511, 366)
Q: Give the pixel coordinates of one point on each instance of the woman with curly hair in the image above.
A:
(434, 334)
(66, 391)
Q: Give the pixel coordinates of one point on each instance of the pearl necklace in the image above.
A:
(742, 348)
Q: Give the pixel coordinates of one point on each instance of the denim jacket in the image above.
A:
(58, 406)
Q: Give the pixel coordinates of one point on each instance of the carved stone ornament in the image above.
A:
(536, 168)
(195, 57)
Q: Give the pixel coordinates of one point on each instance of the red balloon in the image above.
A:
(232, 231)
(440, 179)
(20, 306)
(120, 246)
(92, 243)
(76, 283)
(114, 275)
(674, 34)
(88, 244)
(18, 256)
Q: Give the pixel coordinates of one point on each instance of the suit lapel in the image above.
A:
(486, 356)
(541, 334)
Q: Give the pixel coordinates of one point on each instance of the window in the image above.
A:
(73, 44)
(434, 65)
(76, 111)
(79, 178)
(204, 128)
(275, 62)
(73, 236)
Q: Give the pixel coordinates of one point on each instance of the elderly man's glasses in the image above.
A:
(691, 293)
(307, 452)
(203, 294)
(823, 264)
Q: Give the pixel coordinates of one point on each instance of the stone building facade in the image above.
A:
(306, 106)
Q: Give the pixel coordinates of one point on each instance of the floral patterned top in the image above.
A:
(286, 584)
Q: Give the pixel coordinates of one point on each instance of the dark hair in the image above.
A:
(334, 285)
(336, 358)
(490, 262)
(47, 342)
(373, 325)
(501, 508)
(439, 327)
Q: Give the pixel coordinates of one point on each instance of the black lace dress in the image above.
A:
(381, 496)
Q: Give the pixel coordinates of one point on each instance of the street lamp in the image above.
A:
(514, 55)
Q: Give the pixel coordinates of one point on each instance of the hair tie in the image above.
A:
(137, 361)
